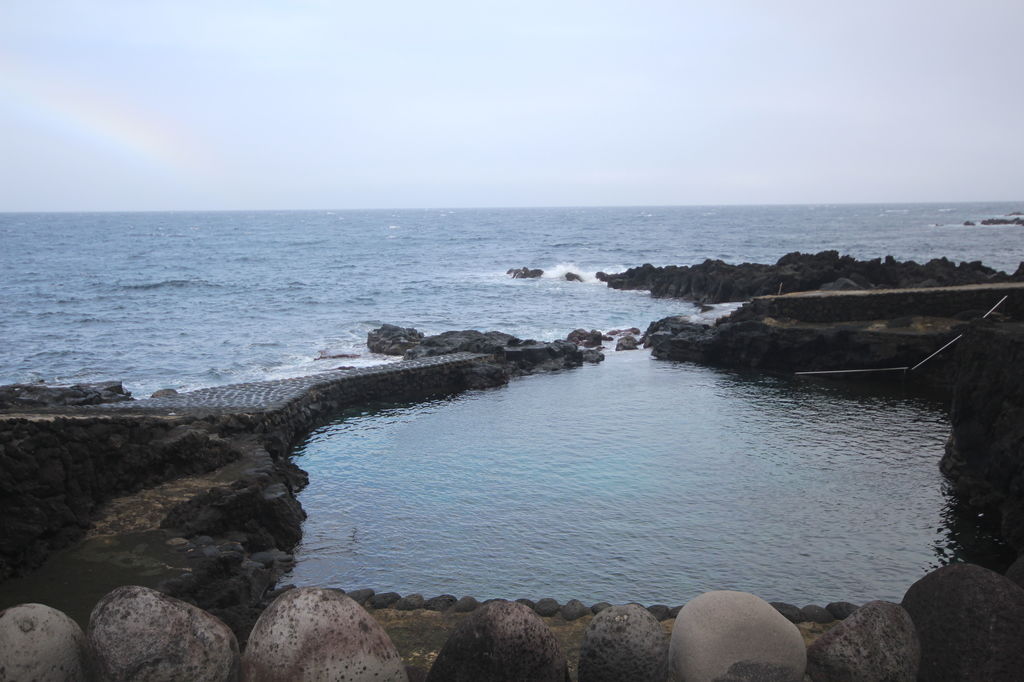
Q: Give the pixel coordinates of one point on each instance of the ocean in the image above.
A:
(631, 480)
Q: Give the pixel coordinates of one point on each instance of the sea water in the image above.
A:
(631, 480)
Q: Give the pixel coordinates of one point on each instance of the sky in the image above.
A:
(111, 105)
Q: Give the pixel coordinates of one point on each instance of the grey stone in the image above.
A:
(624, 643)
(841, 610)
(41, 643)
(361, 596)
(717, 629)
(410, 602)
(627, 342)
(674, 611)
(751, 671)
(574, 609)
(319, 634)
(465, 605)
(599, 607)
(660, 611)
(384, 600)
(528, 603)
(877, 642)
(792, 613)
(547, 607)
(500, 642)
(812, 613)
(136, 633)
(441, 602)
(970, 621)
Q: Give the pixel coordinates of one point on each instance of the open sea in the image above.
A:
(630, 480)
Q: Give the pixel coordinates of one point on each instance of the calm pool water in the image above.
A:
(634, 480)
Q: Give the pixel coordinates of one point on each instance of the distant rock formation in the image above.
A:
(715, 281)
(524, 273)
(14, 396)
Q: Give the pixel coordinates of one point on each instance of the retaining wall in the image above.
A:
(58, 465)
(887, 304)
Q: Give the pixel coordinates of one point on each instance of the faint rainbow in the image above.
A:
(102, 121)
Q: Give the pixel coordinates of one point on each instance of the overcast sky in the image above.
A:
(258, 104)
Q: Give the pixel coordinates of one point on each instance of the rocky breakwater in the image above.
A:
(958, 623)
(985, 453)
(510, 356)
(715, 281)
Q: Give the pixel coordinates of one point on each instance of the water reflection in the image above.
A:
(638, 480)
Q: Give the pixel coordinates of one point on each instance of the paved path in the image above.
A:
(274, 394)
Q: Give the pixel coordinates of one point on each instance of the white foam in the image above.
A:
(560, 270)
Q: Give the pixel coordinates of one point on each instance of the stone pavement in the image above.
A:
(277, 393)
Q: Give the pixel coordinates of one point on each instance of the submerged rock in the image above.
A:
(524, 273)
(136, 633)
(718, 629)
(501, 642)
(41, 643)
(624, 643)
(319, 634)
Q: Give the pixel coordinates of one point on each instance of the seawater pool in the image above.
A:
(635, 480)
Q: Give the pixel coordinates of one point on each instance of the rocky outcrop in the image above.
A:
(984, 456)
(770, 345)
(33, 396)
(715, 281)
(524, 273)
(393, 340)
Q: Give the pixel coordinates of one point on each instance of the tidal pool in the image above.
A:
(636, 480)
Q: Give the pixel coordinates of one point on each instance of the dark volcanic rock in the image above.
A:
(793, 613)
(581, 337)
(715, 281)
(384, 600)
(812, 613)
(524, 273)
(572, 277)
(466, 341)
(410, 602)
(16, 396)
(660, 611)
(878, 642)
(627, 342)
(574, 609)
(624, 643)
(984, 457)
(465, 605)
(501, 642)
(440, 603)
(547, 607)
(841, 610)
(392, 340)
(970, 621)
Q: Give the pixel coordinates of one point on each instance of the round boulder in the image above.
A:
(136, 633)
(574, 609)
(718, 629)
(624, 643)
(876, 642)
(547, 607)
(502, 641)
(313, 633)
(41, 643)
(970, 621)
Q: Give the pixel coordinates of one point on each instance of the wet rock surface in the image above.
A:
(42, 644)
(715, 281)
(624, 643)
(314, 633)
(878, 642)
(970, 622)
(501, 641)
(393, 340)
(30, 396)
(722, 628)
(524, 273)
(140, 634)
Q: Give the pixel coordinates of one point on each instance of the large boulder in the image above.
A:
(501, 642)
(136, 633)
(877, 642)
(392, 340)
(41, 643)
(319, 634)
(624, 643)
(719, 629)
(970, 621)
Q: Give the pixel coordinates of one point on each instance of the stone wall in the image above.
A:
(57, 466)
(826, 307)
